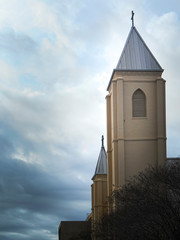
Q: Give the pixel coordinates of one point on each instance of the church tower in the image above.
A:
(99, 186)
(136, 123)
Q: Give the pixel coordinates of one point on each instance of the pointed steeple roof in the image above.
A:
(136, 55)
(101, 167)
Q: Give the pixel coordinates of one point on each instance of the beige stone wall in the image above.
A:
(134, 143)
(99, 196)
(109, 144)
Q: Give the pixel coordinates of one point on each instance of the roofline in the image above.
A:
(147, 47)
(125, 44)
(127, 40)
(131, 70)
(98, 174)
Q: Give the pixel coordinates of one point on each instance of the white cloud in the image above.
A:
(8, 74)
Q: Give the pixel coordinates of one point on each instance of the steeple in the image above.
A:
(101, 167)
(136, 55)
(136, 120)
(99, 187)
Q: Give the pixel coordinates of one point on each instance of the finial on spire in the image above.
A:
(132, 18)
(102, 141)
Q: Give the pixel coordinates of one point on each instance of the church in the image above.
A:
(136, 123)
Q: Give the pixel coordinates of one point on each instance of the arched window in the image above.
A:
(139, 104)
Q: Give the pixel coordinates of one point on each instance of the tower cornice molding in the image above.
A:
(140, 139)
(160, 79)
(124, 74)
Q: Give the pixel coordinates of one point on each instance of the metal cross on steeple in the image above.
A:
(102, 141)
(132, 18)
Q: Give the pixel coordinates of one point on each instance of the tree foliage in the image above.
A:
(147, 207)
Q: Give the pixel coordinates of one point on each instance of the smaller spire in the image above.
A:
(132, 19)
(102, 141)
(101, 167)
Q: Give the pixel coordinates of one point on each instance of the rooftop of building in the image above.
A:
(136, 56)
(101, 167)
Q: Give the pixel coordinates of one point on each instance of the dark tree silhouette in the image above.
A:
(147, 207)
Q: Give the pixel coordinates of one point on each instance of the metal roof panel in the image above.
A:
(101, 167)
(136, 55)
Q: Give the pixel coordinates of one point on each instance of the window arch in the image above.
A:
(139, 104)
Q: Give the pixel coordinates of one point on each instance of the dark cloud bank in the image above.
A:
(32, 199)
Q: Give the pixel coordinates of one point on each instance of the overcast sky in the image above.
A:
(56, 59)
